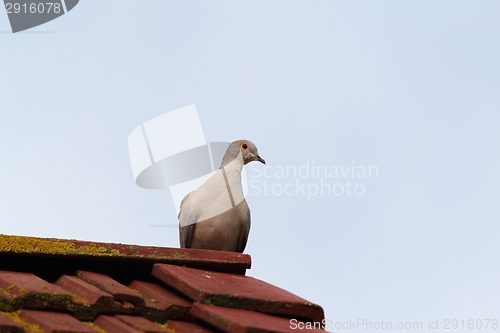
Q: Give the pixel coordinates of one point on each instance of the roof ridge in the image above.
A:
(70, 248)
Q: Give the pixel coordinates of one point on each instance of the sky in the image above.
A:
(403, 93)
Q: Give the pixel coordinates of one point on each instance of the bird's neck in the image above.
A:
(236, 165)
(233, 163)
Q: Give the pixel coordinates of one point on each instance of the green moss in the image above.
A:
(165, 326)
(32, 245)
(95, 327)
(27, 326)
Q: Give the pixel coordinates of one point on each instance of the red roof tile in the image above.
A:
(71, 249)
(236, 291)
(25, 290)
(114, 325)
(142, 324)
(128, 292)
(244, 321)
(9, 325)
(186, 327)
(17, 284)
(87, 293)
(115, 288)
(165, 304)
(56, 322)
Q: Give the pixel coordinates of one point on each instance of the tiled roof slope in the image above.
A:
(52, 285)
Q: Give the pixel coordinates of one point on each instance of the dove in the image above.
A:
(216, 215)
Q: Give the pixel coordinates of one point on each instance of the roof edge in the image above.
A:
(70, 248)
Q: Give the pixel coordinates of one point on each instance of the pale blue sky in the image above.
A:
(411, 87)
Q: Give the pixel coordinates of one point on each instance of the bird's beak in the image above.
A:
(260, 159)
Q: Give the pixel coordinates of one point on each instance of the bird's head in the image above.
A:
(247, 149)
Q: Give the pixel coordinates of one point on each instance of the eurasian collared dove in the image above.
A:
(216, 215)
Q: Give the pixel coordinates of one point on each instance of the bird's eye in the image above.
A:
(244, 146)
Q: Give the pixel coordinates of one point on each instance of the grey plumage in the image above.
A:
(216, 215)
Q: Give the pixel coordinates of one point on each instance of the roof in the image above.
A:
(56, 285)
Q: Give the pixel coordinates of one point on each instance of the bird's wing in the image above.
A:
(186, 235)
(182, 204)
(242, 242)
(215, 202)
(185, 228)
